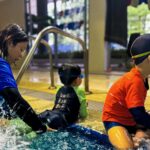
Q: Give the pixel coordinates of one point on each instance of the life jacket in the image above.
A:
(68, 103)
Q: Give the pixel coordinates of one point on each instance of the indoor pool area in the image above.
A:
(85, 135)
(74, 75)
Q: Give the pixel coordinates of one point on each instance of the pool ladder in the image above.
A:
(38, 40)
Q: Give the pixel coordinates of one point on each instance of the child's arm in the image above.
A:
(141, 116)
(83, 110)
(83, 113)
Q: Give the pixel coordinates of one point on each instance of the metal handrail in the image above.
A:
(52, 86)
(51, 29)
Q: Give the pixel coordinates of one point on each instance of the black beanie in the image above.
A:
(140, 48)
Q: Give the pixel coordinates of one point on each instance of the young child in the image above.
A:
(70, 103)
(124, 113)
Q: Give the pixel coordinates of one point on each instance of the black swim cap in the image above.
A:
(140, 48)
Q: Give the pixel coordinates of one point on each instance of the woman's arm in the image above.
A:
(18, 105)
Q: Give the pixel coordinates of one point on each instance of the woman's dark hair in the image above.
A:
(13, 33)
(68, 73)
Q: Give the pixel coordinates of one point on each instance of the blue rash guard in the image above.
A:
(6, 81)
(6, 75)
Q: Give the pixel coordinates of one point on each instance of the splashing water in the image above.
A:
(18, 136)
(145, 144)
(10, 138)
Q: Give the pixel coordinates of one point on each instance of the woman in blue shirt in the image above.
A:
(13, 42)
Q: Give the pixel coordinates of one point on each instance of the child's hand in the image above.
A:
(139, 136)
(136, 141)
(50, 129)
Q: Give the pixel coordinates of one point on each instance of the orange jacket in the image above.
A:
(128, 92)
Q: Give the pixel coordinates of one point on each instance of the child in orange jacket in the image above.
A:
(124, 112)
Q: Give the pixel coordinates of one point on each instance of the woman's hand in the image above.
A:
(50, 129)
(4, 122)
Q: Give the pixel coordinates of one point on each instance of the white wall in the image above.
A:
(12, 11)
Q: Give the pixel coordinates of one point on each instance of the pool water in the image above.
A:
(64, 140)
(10, 139)
(18, 136)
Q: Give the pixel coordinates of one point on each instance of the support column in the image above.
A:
(97, 11)
(42, 13)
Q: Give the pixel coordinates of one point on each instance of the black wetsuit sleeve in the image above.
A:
(18, 105)
(141, 116)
